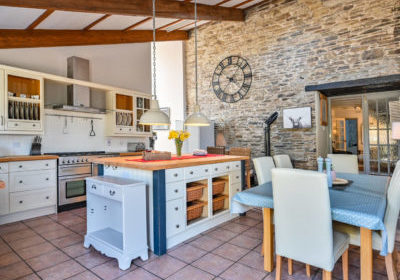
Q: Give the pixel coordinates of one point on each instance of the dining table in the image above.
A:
(361, 203)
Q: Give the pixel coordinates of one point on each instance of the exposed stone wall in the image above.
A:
(290, 44)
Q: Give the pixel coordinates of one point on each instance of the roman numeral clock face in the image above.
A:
(232, 79)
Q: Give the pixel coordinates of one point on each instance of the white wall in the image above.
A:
(126, 66)
(170, 88)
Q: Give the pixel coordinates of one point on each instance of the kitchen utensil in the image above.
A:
(129, 120)
(31, 111)
(16, 110)
(26, 107)
(36, 112)
(22, 95)
(92, 133)
(11, 110)
(21, 111)
(340, 182)
(124, 119)
(119, 118)
(11, 94)
(36, 146)
(36, 97)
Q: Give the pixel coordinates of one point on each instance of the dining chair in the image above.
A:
(218, 150)
(345, 163)
(283, 161)
(239, 151)
(263, 166)
(391, 216)
(303, 222)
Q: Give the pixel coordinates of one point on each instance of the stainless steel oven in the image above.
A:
(72, 183)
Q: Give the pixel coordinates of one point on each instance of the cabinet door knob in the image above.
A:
(216, 169)
(94, 187)
(47, 197)
(15, 124)
(112, 192)
(20, 202)
(177, 226)
(191, 172)
(47, 164)
(47, 179)
(33, 125)
(176, 175)
(176, 208)
(237, 177)
(228, 167)
(206, 170)
(20, 182)
(92, 211)
(20, 166)
(237, 190)
(176, 191)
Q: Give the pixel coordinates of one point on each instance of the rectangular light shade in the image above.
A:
(396, 130)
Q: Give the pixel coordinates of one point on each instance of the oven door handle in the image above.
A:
(75, 170)
(74, 178)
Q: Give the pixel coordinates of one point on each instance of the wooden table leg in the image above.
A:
(268, 240)
(366, 256)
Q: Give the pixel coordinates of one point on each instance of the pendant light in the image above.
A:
(154, 116)
(197, 118)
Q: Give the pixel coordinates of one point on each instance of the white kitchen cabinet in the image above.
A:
(22, 105)
(116, 218)
(123, 114)
(4, 193)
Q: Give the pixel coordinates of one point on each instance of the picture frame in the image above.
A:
(166, 110)
(297, 118)
(323, 109)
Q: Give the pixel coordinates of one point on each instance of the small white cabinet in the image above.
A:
(116, 218)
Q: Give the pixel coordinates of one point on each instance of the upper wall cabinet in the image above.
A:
(21, 103)
(123, 114)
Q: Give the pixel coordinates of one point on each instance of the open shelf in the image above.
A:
(124, 102)
(21, 85)
(109, 236)
(220, 191)
(196, 201)
(142, 105)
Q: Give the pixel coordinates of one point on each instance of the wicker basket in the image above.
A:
(195, 209)
(194, 191)
(218, 202)
(218, 186)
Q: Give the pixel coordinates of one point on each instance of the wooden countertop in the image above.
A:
(126, 154)
(27, 158)
(165, 164)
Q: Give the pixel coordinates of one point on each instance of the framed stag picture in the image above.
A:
(296, 118)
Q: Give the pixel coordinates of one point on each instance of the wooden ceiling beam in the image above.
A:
(97, 21)
(169, 24)
(164, 8)
(12, 38)
(41, 18)
(137, 24)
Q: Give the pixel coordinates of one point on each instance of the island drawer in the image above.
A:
(95, 188)
(31, 180)
(22, 201)
(235, 188)
(113, 192)
(3, 167)
(236, 177)
(195, 172)
(175, 217)
(32, 165)
(236, 165)
(172, 175)
(174, 191)
(221, 167)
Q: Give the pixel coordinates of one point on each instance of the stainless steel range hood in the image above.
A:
(78, 97)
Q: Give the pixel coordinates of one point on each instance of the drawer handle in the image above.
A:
(206, 170)
(21, 201)
(176, 175)
(177, 226)
(228, 167)
(191, 172)
(237, 177)
(47, 164)
(94, 187)
(20, 166)
(176, 208)
(112, 192)
(91, 211)
(33, 125)
(176, 191)
(216, 169)
(237, 190)
(20, 182)
(105, 207)
(47, 197)
(47, 179)
(15, 124)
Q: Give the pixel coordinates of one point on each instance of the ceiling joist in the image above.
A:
(55, 38)
(41, 18)
(164, 8)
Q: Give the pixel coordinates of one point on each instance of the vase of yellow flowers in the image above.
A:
(179, 137)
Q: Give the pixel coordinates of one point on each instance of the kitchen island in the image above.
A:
(185, 196)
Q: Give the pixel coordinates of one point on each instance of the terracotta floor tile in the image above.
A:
(206, 243)
(164, 266)
(187, 253)
(92, 259)
(14, 271)
(76, 250)
(67, 240)
(36, 250)
(257, 215)
(239, 272)
(222, 234)
(87, 275)
(60, 216)
(48, 227)
(26, 242)
(254, 232)
(46, 260)
(51, 235)
(139, 273)
(254, 260)
(238, 228)
(12, 227)
(78, 228)
(213, 264)
(139, 262)
(30, 277)
(245, 242)
(12, 236)
(8, 259)
(35, 222)
(71, 221)
(192, 273)
(110, 270)
(61, 271)
(247, 221)
(4, 248)
(231, 252)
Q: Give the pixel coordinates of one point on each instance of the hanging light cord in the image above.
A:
(154, 50)
(195, 48)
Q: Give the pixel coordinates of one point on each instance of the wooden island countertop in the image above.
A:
(164, 164)
(27, 158)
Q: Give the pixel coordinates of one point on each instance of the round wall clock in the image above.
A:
(232, 79)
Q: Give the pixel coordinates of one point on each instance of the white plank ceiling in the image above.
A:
(21, 18)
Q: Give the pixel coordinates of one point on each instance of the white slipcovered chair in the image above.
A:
(303, 222)
(344, 163)
(390, 221)
(282, 161)
(263, 166)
